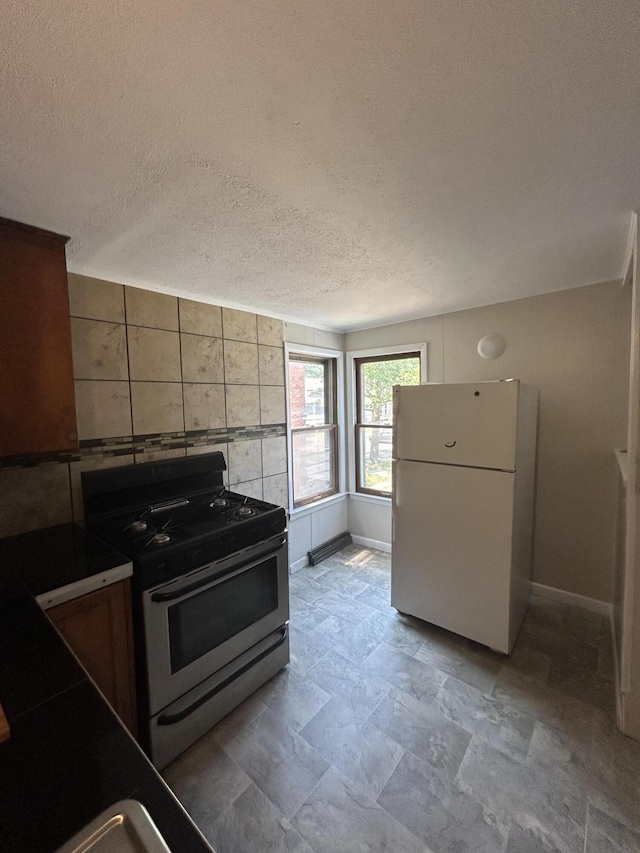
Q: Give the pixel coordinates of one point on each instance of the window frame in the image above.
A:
(360, 424)
(334, 401)
(355, 358)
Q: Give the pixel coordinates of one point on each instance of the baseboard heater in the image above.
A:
(323, 551)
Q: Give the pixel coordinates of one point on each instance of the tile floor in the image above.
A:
(387, 734)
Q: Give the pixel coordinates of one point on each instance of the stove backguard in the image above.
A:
(137, 487)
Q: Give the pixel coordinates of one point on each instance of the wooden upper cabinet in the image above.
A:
(37, 409)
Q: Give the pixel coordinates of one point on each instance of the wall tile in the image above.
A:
(99, 349)
(156, 407)
(239, 325)
(201, 359)
(252, 488)
(32, 498)
(243, 405)
(91, 463)
(204, 406)
(271, 365)
(199, 449)
(154, 355)
(103, 409)
(275, 490)
(146, 308)
(199, 318)
(95, 299)
(159, 455)
(272, 406)
(240, 363)
(274, 455)
(244, 461)
(270, 331)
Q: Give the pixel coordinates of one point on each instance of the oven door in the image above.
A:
(200, 622)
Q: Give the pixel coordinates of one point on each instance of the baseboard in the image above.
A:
(572, 598)
(616, 675)
(302, 563)
(372, 543)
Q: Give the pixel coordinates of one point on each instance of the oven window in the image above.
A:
(206, 619)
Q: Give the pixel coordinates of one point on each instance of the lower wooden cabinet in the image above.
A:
(97, 626)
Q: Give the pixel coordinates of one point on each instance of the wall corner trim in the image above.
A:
(302, 563)
(372, 543)
(573, 598)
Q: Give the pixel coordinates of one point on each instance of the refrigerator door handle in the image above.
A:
(396, 412)
(394, 500)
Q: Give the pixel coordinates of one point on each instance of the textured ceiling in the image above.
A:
(342, 163)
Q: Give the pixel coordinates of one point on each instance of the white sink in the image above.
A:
(125, 827)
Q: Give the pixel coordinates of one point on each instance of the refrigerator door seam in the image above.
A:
(457, 465)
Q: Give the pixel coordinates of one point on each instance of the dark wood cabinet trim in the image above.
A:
(31, 234)
(38, 414)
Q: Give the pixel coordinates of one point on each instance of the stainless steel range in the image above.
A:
(211, 596)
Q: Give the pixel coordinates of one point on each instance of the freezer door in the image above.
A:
(451, 550)
(467, 424)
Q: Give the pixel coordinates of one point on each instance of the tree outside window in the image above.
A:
(375, 378)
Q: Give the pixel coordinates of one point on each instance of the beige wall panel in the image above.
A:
(427, 330)
(299, 537)
(572, 345)
(298, 334)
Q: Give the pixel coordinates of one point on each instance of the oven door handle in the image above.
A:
(179, 593)
(179, 716)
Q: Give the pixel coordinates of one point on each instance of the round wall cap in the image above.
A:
(491, 346)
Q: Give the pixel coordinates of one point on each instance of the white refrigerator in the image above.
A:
(463, 491)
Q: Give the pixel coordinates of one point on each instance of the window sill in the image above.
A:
(301, 511)
(375, 499)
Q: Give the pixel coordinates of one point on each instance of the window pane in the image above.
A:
(308, 393)
(313, 463)
(375, 458)
(376, 386)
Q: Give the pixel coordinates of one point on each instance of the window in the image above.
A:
(375, 377)
(314, 430)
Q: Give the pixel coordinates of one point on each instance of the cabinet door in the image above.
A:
(36, 364)
(97, 626)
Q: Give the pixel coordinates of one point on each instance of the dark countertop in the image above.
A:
(68, 757)
(55, 557)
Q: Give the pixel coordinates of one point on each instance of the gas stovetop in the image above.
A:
(172, 517)
(182, 521)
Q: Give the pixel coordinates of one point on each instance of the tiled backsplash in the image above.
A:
(159, 377)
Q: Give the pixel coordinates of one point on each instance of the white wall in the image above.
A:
(370, 520)
(574, 345)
